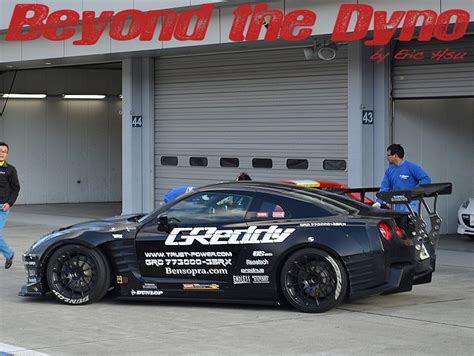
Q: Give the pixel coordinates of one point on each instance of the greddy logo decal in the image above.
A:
(213, 236)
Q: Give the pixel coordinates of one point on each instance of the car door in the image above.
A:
(201, 245)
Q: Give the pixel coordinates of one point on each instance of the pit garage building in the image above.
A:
(193, 113)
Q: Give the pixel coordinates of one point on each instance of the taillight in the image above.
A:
(399, 232)
(385, 231)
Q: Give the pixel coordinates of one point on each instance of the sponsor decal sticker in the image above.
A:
(399, 198)
(262, 214)
(241, 279)
(260, 279)
(252, 270)
(213, 236)
(256, 262)
(122, 279)
(195, 271)
(198, 286)
(188, 254)
(278, 214)
(150, 286)
(117, 236)
(224, 262)
(319, 224)
(262, 254)
(146, 292)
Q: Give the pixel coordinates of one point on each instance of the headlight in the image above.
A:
(466, 204)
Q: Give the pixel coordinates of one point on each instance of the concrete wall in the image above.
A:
(65, 150)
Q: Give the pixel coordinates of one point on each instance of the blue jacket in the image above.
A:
(174, 193)
(405, 176)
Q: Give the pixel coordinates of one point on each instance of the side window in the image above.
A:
(263, 209)
(210, 207)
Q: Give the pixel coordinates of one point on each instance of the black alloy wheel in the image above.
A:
(78, 275)
(313, 281)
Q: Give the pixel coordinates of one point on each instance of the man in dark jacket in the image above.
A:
(9, 189)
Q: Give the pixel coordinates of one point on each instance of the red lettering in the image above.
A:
(169, 18)
(241, 16)
(19, 20)
(58, 20)
(119, 21)
(406, 54)
(448, 55)
(409, 25)
(308, 18)
(383, 30)
(92, 29)
(460, 27)
(341, 34)
(203, 15)
(260, 13)
(379, 56)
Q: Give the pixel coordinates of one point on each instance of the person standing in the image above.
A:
(9, 189)
(401, 175)
(176, 192)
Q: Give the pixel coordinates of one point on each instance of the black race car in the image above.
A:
(242, 242)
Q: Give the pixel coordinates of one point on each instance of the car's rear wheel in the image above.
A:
(313, 281)
(78, 275)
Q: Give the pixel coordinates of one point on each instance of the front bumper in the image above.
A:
(464, 230)
(31, 290)
(34, 286)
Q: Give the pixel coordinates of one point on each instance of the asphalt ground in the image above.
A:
(433, 319)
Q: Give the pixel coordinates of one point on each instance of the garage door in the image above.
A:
(438, 134)
(270, 113)
(432, 77)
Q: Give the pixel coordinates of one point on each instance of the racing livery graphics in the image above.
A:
(216, 245)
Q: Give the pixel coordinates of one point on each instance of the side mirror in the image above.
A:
(163, 224)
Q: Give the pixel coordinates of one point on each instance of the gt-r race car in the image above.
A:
(242, 242)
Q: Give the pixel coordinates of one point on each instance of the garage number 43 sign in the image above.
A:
(137, 121)
(367, 117)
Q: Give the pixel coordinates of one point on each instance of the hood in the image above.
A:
(103, 224)
(117, 223)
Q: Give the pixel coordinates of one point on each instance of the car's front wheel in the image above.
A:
(313, 281)
(78, 275)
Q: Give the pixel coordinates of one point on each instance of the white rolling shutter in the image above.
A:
(430, 78)
(270, 104)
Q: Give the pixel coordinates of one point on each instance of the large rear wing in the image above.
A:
(417, 193)
(420, 194)
(406, 197)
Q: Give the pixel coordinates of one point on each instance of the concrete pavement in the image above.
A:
(433, 319)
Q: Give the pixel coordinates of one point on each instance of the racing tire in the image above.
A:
(313, 281)
(78, 275)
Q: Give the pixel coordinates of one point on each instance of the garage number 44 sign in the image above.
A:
(367, 117)
(137, 121)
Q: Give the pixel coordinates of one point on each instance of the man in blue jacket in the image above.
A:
(401, 175)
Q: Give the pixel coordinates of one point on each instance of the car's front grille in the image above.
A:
(466, 220)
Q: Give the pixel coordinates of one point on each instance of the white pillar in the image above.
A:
(368, 90)
(137, 142)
